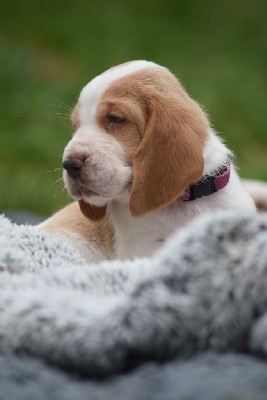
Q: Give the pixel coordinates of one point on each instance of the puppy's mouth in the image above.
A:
(85, 191)
(79, 189)
(82, 192)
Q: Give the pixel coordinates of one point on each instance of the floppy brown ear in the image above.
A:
(92, 212)
(170, 156)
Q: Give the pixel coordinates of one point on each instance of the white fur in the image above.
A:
(141, 236)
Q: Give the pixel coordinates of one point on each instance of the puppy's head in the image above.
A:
(139, 138)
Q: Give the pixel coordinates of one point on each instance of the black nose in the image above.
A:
(73, 167)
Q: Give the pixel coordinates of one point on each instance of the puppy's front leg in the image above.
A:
(94, 240)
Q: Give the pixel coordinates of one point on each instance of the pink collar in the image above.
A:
(209, 184)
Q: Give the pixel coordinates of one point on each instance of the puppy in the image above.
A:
(142, 163)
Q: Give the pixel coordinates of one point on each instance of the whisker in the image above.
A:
(52, 170)
(57, 181)
(66, 118)
(62, 113)
(60, 103)
(60, 190)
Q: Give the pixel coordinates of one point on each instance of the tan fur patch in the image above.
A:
(75, 116)
(92, 212)
(71, 220)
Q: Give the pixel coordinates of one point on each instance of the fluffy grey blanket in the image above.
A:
(206, 289)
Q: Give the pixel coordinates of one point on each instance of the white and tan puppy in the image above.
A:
(140, 144)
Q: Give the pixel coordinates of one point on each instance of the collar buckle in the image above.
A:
(201, 189)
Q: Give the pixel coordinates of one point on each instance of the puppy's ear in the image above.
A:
(92, 212)
(170, 156)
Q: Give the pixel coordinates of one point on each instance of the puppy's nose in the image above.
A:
(73, 167)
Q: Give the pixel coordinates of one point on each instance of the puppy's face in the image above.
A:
(138, 138)
(108, 123)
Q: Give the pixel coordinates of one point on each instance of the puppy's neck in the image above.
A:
(142, 236)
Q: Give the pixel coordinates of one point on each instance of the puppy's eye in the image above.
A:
(115, 119)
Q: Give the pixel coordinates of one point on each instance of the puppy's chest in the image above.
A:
(141, 237)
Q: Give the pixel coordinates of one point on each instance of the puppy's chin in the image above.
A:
(96, 201)
(79, 192)
(100, 200)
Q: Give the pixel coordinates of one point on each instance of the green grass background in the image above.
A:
(50, 49)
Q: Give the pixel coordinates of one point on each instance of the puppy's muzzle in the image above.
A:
(73, 167)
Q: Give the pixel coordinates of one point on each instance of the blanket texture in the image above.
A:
(209, 376)
(205, 289)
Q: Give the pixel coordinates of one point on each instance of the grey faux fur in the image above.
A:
(208, 376)
(205, 289)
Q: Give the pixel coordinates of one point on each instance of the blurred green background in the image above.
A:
(50, 49)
